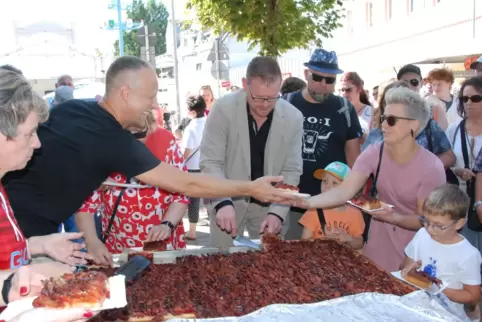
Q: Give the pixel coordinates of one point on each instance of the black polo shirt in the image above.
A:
(82, 144)
(257, 144)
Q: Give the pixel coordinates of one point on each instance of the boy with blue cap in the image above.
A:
(343, 223)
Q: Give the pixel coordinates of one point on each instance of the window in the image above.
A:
(388, 9)
(349, 21)
(369, 14)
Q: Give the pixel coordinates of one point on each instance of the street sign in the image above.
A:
(223, 71)
(225, 84)
(128, 25)
(125, 5)
(223, 52)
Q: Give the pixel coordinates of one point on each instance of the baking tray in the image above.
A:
(170, 256)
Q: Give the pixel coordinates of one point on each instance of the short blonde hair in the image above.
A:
(17, 101)
(447, 200)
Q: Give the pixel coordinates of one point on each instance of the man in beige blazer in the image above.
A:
(248, 134)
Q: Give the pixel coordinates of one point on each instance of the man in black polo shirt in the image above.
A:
(84, 142)
(249, 134)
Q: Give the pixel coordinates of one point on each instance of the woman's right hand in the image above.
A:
(464, 174)
(99, 252)
(27, 280)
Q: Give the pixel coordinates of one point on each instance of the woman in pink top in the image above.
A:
(408, 173)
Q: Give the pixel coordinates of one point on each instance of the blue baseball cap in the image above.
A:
(336, 169)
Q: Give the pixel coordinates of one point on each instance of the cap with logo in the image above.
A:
(476, 63)
(337, 169)
(324, 61)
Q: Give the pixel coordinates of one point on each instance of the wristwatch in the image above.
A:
(477, 203)
(168, 224)
(7, 285)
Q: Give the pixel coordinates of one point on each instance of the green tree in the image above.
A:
(152, 12)
(275, 25)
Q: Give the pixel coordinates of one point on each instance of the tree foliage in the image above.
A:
(153, 12)
(275, 25)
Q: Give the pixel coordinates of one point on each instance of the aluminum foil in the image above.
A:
(365, 307)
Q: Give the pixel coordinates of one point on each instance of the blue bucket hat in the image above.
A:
(324, 61)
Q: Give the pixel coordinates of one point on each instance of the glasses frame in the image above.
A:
(263, 100)
(466, 99)
(329, 80)
(427, 224)
(395, 118)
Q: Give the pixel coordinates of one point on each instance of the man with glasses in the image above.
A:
(248, 134)
(331, 128)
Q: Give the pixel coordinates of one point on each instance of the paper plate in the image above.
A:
(117, 287)
(368, 211)
(434, 289)
(297, 194)
(124, 185)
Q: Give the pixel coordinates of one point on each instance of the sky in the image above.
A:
(88, 16)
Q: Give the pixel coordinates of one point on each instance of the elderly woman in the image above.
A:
(407, 174)
(431, 137)
(21, 109)
(142, 214)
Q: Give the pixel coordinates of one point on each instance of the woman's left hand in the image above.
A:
(61, 248)
(385, 214)
(160, 232)
(53, 315)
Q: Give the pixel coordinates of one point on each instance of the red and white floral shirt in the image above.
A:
(140, 209)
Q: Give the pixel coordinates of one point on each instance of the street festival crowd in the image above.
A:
(414, 144)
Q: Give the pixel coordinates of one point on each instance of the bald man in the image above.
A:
(84, 142)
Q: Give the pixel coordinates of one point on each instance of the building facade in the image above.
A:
(380, 36)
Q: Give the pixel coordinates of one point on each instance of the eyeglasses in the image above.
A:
(414, 82)
(318, 78)
(262, 99)
(474, 99)
(347, 90)
(435, 227)
(140, 135)
(392, 119)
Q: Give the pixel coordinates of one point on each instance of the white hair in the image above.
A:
(415, 106)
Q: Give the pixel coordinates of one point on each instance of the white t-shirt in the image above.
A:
(191, 139)
(365, 117)
(456, 264)
(457, 148)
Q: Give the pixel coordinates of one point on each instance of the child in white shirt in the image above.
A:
(440, 251)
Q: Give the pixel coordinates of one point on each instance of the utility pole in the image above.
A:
(146, 30)
(176, 67)
(474, 19)
(218, 65)
(121, 34)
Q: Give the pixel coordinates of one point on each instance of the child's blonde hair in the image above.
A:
(447, 200)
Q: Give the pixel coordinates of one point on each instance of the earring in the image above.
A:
(411, 132)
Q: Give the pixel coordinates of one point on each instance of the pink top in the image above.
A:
(401, 186)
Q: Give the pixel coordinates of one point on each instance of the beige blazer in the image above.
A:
(225, 148)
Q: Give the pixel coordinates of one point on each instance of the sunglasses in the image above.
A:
(318, 78)
(414, 82)
(474, 99)
(347, 90)
(140, 135)
(392, 119)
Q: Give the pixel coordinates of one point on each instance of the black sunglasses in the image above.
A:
(474, 99)
(347, 90)
(140, 135)
(318, 78)
(392, 119)
(414, 82)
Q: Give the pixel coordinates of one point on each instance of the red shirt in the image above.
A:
(140, 209)
(13, 252)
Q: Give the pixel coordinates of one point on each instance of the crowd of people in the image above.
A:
(413, 145)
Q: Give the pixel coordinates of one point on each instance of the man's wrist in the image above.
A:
(35, 245)
(276, 215)
(223, 204)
